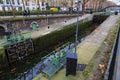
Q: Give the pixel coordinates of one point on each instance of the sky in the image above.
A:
(115, 1)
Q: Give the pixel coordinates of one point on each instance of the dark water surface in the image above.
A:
(28, 68)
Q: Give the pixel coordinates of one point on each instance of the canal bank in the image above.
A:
(22, 66)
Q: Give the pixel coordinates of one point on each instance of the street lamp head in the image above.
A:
(77, 1)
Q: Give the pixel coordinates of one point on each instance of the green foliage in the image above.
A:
(56, 37)
(98, 52)
(98, 19)
(6, 13)
(85, 73)
(33, 12)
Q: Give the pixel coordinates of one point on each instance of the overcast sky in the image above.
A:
(115, 1)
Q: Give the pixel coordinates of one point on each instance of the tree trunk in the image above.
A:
(38, 4)
(71, 7)
(12, 8)
(99, 5)
(96, 4)
(23, 5)
(38, 7)
(83, 8)
(56, 3)
(83, 5)
(52, 3)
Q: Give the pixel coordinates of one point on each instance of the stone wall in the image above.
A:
(24, 25)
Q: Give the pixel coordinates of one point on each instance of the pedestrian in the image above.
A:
(91, 12)
(25, 13)
(65, 21)
(8, 35)
(48, 27)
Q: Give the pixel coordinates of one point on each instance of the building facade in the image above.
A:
(98, 4)
(34, 4)
(5, 5)
(18, 4)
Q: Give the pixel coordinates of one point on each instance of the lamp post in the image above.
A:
(47, 21)
(76, 35)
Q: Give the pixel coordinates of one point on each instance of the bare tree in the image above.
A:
(101, 4)
(83, 5)
(96, 4)
(23, 4)
(51, 2)
(59, 2)
(38, 6)
(64, 3)
(38, 3)
(71, 5)
(12, 8)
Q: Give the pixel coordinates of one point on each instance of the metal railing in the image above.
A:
(112, 61)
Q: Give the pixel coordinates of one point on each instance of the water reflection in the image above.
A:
(45, 62)
(38, 68)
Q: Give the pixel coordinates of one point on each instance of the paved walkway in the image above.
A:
(90, 45)
(87, 49)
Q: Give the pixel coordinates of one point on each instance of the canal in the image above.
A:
(29, 68)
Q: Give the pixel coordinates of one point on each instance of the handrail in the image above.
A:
(111, 64)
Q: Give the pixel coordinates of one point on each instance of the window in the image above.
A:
(27, 4)
(28, 8)
(47, 4)
(18, 1)
(13, 2)
(42, 3)
(7, 1)
(43, 9)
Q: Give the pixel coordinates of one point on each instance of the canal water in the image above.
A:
(30, 67)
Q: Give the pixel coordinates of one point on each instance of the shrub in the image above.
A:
(98, 19)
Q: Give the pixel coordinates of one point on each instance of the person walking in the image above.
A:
(25, 13)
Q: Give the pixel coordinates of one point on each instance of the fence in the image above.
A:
(112, 61)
